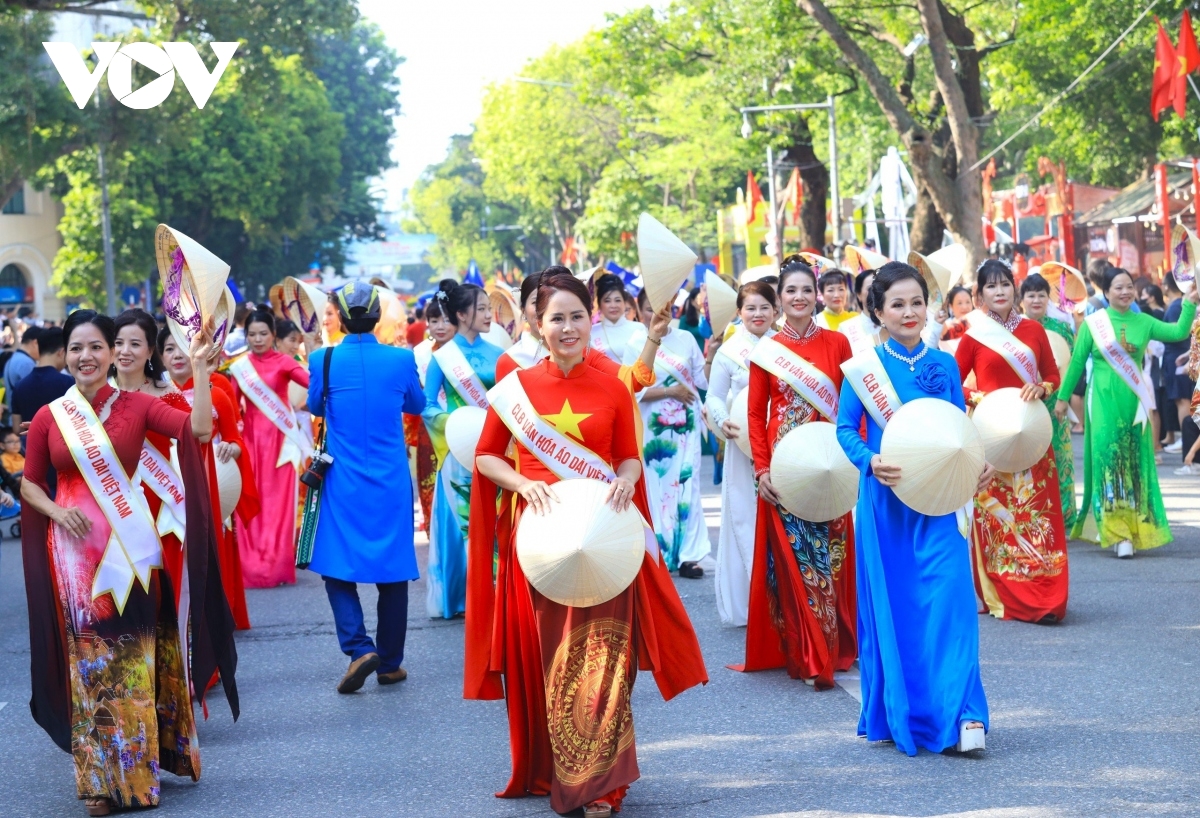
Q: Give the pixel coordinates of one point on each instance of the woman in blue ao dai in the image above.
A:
(917, 623)
(464, 369)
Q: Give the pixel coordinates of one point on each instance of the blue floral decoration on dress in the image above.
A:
(933, 379)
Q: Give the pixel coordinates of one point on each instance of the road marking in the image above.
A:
(2, 705)
(849, 682)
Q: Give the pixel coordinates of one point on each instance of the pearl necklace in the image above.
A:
(912, 362)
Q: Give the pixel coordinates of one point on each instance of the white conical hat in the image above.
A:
(939, 453)
(304, 305)
(1016, 434)
(297, 395)
(820, 264)
(497, 336)
(812, 475)
(463, 429)
(942, 269)
(1185, 249)
(1068, 288)
(192, 281)
(755, 273)
(722, 303)
(665, 261)
(739, 413)
(506, 311)
(229, 486)
(859, 259)
(582, 552)
(1061, 350)
(393, 320)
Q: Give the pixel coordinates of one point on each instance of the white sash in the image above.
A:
(156, 472)
(599, 341)
(295, 448)
(993, 335)
(862, 338)
(676, 368)
(869, 380)
(566, 458)
(459, 374)
(1122, 362)
(739, 347)
(133, 549)
(803, 377)
(526, 352)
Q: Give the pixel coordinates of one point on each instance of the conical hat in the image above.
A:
(666, 261)
(463, 428)
(722, 303)
(392, 319)
(497, 336)
(939, 453)
(812, 475)
(223, 318)
(589, 275)
(859, 259)
(304, 304)
(506, 312)
(229, 486)
(1186, 255)
(1015, 433)
(942, 269)
(192, 281)
(739, 413)
(1061, 350)
(297, 395)
(755, 273)
(1067, 285)
(819, 263)
(582, 552)
(275, 296)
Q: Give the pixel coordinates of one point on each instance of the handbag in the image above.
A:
(311, 512)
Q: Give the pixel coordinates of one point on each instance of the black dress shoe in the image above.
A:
(690, 570)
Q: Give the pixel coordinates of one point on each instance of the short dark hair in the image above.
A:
(887, 277)
(831, 277)
(992, 270)
(102, 322)
(1096, 269)
(31, 334)
(286, 328)
(759, 288)
(359, 323)
(260, 316)
(556, 278)
(1169, 283)
(1111, 275)
(1034, 283)
(419, 313)
(49, 342)
(1153, 291)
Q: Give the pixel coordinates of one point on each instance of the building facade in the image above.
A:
(28, 241)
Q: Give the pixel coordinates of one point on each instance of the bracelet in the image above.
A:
(655, 341)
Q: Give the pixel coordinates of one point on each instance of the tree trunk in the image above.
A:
(814, 177)
(927, 228)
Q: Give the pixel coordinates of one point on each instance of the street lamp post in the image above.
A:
(835, 196)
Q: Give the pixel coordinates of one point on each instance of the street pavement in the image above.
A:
(1095, 716)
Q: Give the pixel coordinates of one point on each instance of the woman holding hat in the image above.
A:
(566, 672)
(671, 442)
(529, 348)
(1035, 303)
(276, 448)
(113, 659)
(471, 360)
(918, 629)
(1120, 482)
(801, 609)
(730, 374)
(613, 332)
(1019, 547)
(226, 446)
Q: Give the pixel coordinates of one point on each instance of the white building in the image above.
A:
(28, 241)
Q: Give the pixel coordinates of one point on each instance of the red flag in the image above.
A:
(753, 197)
(1162, 90)
(1187, 57)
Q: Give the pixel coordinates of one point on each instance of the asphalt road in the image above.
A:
(1095, 716)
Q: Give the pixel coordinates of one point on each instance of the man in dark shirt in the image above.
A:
(46, 382)
(21, 364)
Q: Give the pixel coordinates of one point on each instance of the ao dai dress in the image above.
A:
(671, 450)
(613, 337)
(801, 612)
(446, 572)
(918, 632)
(739, 496)
(1019, 546)
(1064, 454)
(1121, 498)
(268, 548)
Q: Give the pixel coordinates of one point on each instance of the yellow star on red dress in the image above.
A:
(567, 421)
